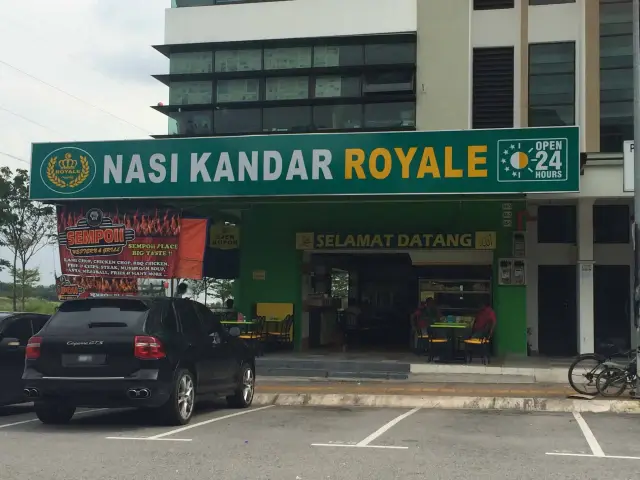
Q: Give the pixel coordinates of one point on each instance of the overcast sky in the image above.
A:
(98, 51)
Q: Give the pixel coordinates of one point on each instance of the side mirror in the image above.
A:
(9, 344)
(234, 331)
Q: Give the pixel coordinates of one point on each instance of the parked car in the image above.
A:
(155, 353)
(15, 331)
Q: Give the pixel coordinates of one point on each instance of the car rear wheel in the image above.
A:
(243, 397)
(179, 408)
(54, 413)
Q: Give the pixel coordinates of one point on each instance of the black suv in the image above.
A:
(156, 353)
(15, 331)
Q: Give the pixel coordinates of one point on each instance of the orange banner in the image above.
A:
(191, 247)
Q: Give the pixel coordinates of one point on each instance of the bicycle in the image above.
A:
(589, 366)
(617, 378)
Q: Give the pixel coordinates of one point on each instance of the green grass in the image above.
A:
(34, 305)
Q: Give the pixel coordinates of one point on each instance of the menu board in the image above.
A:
(238, 60)
(190, 93)
(247, 90)
(326, 56)
(286, 58)
(287, 88)
(328, 87)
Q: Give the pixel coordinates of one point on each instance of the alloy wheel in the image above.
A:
(186, 396)
(248, 385)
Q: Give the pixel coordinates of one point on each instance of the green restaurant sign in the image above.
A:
(390, 163)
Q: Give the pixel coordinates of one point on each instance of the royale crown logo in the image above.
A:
(67, 163)
(68, 170)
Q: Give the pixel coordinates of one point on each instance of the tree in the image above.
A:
(29, 227)
(26, 281)
(219, 289)
(5, 214)
(198, 287)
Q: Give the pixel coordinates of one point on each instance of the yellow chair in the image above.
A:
(284, 335)
(481, 344)
(439, 344)
(256, 336)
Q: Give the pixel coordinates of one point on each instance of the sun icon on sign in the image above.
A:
(514, 160)
(519, 160)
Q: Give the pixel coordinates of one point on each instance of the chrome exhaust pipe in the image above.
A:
(31, 392)
(144, 393)
(132, 393)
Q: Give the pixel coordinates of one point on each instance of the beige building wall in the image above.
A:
(443, 79)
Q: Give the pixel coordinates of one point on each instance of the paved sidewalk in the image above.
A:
(534, 390)
(537, 397)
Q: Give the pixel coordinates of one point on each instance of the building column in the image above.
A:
(586, 335)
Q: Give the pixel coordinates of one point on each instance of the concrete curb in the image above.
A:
(448, 402)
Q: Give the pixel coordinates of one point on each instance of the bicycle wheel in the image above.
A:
(583, 372)
(611, 381)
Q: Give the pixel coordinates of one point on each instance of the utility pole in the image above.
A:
(636, 180)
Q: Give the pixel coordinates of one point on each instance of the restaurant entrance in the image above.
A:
(365, 301)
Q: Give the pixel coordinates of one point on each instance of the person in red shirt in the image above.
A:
(485, 321)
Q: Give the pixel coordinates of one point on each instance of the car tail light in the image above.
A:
(148, 348)
(32, 352)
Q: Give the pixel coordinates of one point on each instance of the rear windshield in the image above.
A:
(117, 314)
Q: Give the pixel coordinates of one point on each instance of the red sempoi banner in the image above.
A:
(72, 287)
(118, 244)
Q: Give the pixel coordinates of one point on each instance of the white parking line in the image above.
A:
(161, 436)
(37, 420)
(619, 457)
(596, 449)
(366, 442)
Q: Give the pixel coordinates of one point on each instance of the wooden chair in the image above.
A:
(480, 344)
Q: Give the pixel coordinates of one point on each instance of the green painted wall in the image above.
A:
(268, 243)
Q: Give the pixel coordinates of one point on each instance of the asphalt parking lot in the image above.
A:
(308, 443)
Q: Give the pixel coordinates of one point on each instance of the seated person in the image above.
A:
(426, 314)
(484, 322)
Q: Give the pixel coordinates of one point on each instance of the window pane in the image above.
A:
(337, 55)
(390, 53)
(287, 88)
(287, 119)
(611, 223)
(337, 86)
(238, 60)
(617, 79)
(551, 116)
(286, 58)
(551, 84)
(190, 93)
(388, 82)
(192, 3)
(557, 224)
(244, 90)
(190, 123)
(192, 62)
(333, 117)
(615, 12)
(237, 120)
(549, 2)
(378, 115)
